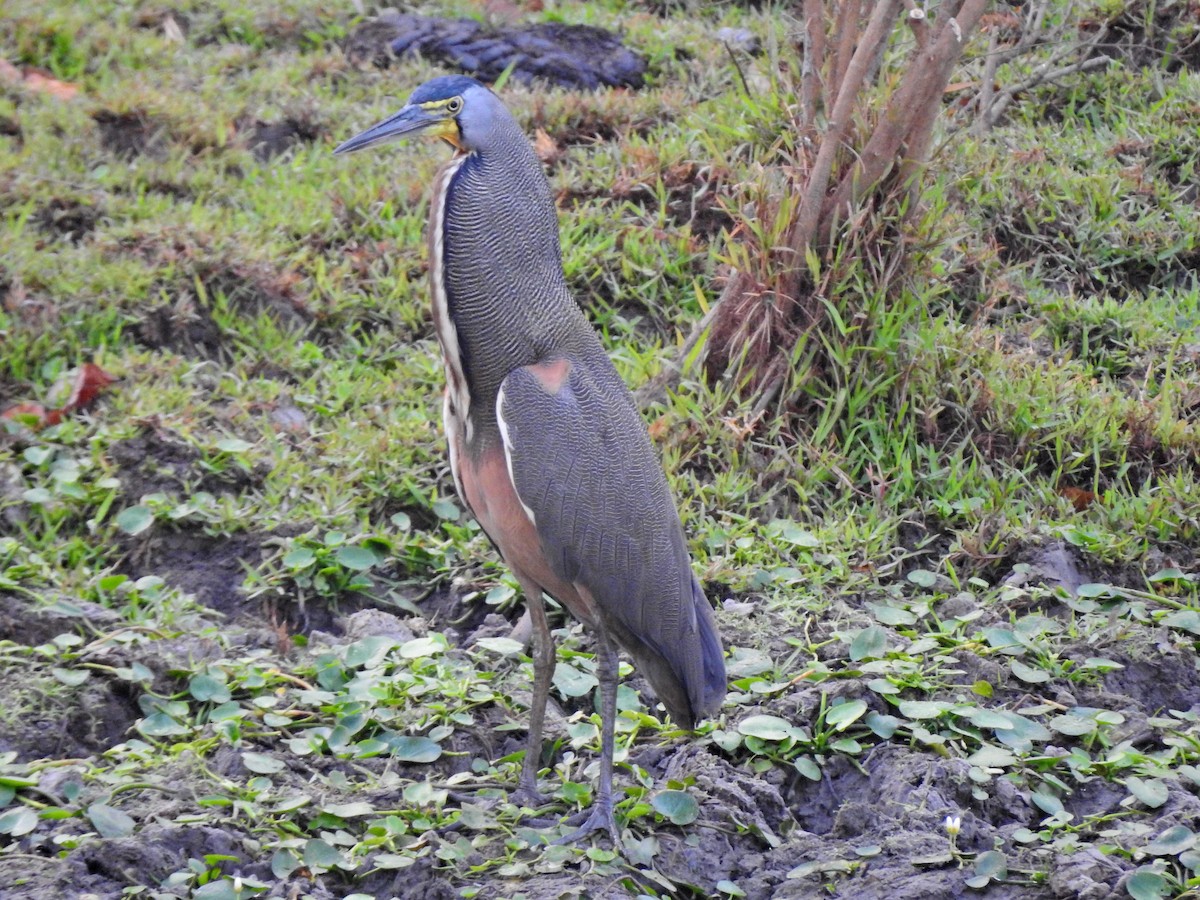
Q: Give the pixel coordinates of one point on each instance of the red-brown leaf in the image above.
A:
(30, 415)
(1080, 499)
(90, 380)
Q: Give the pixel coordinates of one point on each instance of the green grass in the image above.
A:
(1033, 382)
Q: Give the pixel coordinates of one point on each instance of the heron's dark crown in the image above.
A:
(443, 88)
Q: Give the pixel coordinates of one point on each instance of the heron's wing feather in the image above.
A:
(583, 467)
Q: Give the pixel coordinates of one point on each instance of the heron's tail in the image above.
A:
(684, 662)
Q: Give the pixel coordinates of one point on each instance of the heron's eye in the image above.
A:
(454, 106)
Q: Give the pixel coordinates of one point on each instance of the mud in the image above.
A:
(68, 220)
(268, 140)
(128, 135)
(185, 322)
(871, 826)
(578, 56)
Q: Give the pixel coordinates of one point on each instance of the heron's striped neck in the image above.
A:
(458, 393)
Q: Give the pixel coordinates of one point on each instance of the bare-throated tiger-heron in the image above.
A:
(547, 446)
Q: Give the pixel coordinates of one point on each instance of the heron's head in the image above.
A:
(455, 108)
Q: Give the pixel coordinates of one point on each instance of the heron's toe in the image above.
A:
(527, 794)
(599, 818)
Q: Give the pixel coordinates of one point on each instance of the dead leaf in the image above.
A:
(1080, 499)
(59, 90)
(171, 30)
(29, 415)
(289, 419)
(658, 428)
(89, 382)
(37, 81)
(76, 390)
(545, 148)
(503, 11)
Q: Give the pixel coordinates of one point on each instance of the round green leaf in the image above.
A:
(421, 647)
(207, 688)
(923, 709)
(882, 686)
(409, 748)
(222, 889)
(18, 821)
(991, 863)
(109, 822)
(1174, 840)
(160, 724)
(350, 810)
(1151, 792)
(284, 863)
(299, 558)
(883, 726)
(1171, 574)
(677, 807)
(573, 682)
(1147, 885)
(135, 519)
(870, 643)
(807, 767)
(1191, 859)
(359, 559)
(1028, 673)
(922, 578)
(319, 854)
(1047, 803)
(986, 718)
(70, 677)
(500, 645)
(1095, 590)
(1073, 725)
(892, 615)
(991, 757)
(792, 533)
(1187, 619)
(844, 715)
(262, 763)
(768, 728)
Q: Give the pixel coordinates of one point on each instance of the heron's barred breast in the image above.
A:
(457, 403)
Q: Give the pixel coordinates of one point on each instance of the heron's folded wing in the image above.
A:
(584, 468)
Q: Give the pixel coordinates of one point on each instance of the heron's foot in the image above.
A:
(599, 818)
(527, 793)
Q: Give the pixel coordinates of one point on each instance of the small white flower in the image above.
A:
(953, 825)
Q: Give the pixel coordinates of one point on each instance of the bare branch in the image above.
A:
(847, 31)
(810, 66)
(991, 107)
(1005, 97)
(984, 120)
(918, 24)
(808, 217)
(909, 115)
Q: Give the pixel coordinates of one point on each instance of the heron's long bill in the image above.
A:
(409, 121)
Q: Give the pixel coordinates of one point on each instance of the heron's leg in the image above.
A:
(601, 816)
(543, 673)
